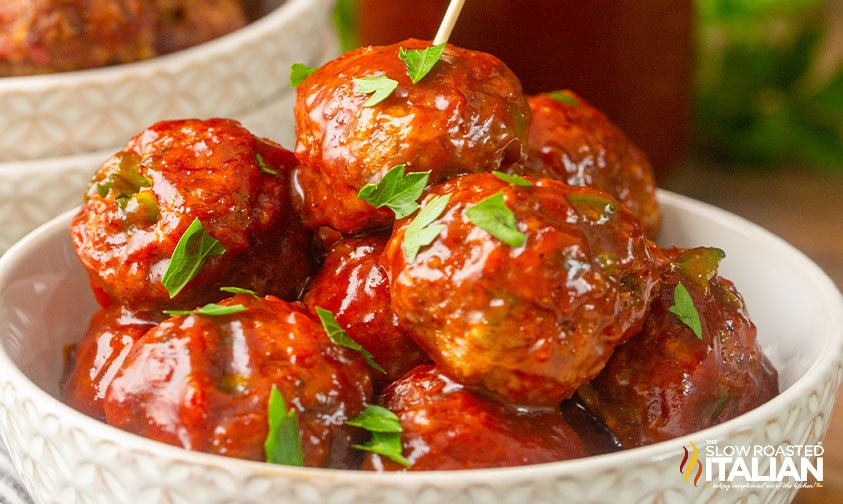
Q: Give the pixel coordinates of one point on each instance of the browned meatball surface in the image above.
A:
(666, 382)
(46, 36)
(467, 115)
(203, 382)
(352, 285)
(41, 36)
(527, 322)
(186, 23)
(100, 354)
(144, 198)
(446, 427)
(572, 141)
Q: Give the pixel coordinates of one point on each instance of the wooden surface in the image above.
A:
(805, 208)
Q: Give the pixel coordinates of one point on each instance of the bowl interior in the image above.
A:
(45, 302)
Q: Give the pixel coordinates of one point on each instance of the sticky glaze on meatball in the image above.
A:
(666, 382)
(145, 197)
(572, 141)
(203, 381)
(446, 427)
(352, 285)
(46, 36)
(467, 115)
(527, 322)
(99, 355)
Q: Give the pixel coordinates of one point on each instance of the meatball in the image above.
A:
(572, 141)
(144, 199)
(528, 321)
(45, 36)
(186, 23)
(447, 427)
(42, 36)
(666, 382)
(353, 286)
(203, 381)
(467, 115)
(100, 354)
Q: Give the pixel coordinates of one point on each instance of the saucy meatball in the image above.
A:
(666, 381)
(146, 197)
(527, 321)
(446, 427)
(100, 354)
(203, 382)
(466, 115)
(45, 36)
(572, 141)
(353, 286)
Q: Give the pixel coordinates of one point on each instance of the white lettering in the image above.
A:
(816, 470)
(739, 468)
(788, 469)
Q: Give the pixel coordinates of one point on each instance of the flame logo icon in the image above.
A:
(691, 463)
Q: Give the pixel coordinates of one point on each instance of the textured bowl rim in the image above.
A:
(830, 359)
(171, 63)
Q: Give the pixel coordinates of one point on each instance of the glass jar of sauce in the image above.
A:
(632, 59)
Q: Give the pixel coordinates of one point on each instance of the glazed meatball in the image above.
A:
(353, 286)
(144, 198)
(572, 141)
(528, 321)
(100, 354)
(45, 36)
(446, 427)
(667, 382)
(467, 115)
(203, 381)
(42, 36)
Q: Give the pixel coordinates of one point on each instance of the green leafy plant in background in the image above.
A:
(344, 20)
(769, 82)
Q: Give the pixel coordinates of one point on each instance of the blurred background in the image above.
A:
(738, 103)
(755, 83)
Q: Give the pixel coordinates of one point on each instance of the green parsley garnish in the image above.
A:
(283, 441)
(379, 87)
(386, 433)
(683, 307)
(239, 290)
(341, 338)
(593, 206)
(700, 264)
(493, 216)
(130, 189)
(263, 167)
(193, 248)
(420, 232)
(562, 96)
(298, 73)
(126, 180)
(420, 61)
(510, 178)
(211, 309)
(396, 191)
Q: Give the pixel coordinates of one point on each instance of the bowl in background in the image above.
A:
(65, 456)
(34, 191)
(71, 113)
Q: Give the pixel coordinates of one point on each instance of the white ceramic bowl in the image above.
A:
(48, 116)
(66, 457)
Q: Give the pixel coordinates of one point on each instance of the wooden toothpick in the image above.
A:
(448, 21)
